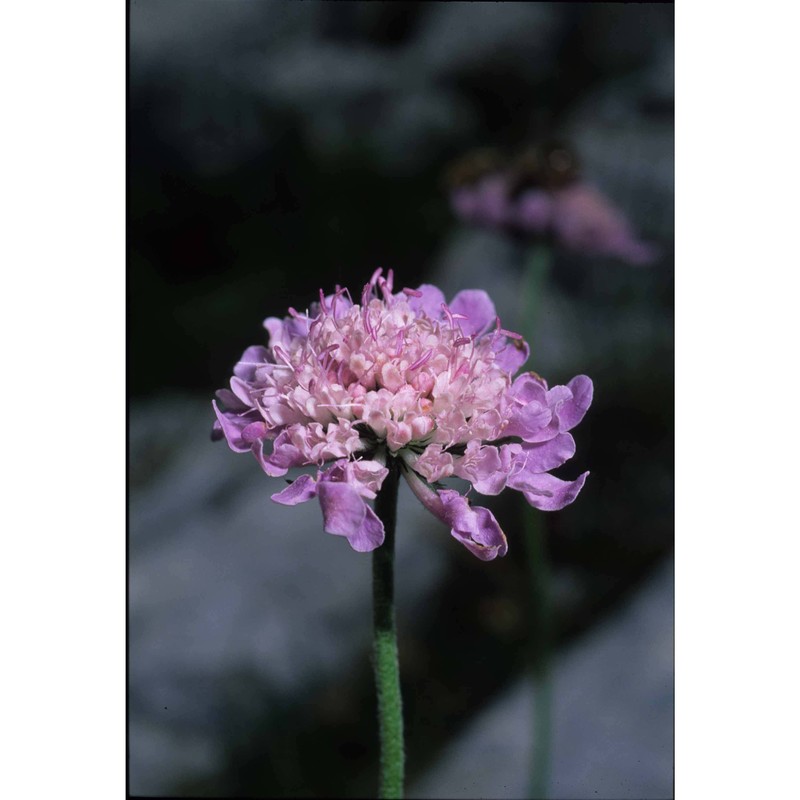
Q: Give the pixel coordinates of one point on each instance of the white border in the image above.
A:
(736, 452)
(63, 356)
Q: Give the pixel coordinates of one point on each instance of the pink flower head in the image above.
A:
(404, 377)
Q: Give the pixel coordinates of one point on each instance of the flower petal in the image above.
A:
(544, 456)
(241, 391)
(510, 354)
(548, 493)
(231, 401)
(572, 411)
(529, 386)
(429, 303)
(485, 467)
(366, 477)
(475, 528)
(530, 414)
(284, 456)
(478, 307)
(233, 425)
(346, 514)
(370, 535)
(255, 432)
(251, 359)
(299, 491)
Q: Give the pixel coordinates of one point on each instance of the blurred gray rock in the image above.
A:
(231, 62)
(462, 35)
(185, 54)
(233, 597)
(624, 132)
(612, 717)
(230, 65)
(182, 35)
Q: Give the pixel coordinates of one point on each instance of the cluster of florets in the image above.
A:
(402, 379)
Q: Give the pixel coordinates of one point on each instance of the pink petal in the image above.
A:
(510, 354)
(299, 491)
(346, 514)
(232, 426)
(476, 528)
(430, 303)
(477, 306)
(251, 359)
(573, 410)
(544, 456)
(548, 493)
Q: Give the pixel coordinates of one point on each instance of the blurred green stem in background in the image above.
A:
(536, 270)
(387, 670)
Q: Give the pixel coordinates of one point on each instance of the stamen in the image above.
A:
(329, 349)
(278, 350)
(423, 359)
(383, 285)
(503, 332)
(510, 334)
(368, 325)
(266, 365)
(448, 313)
(412, 293)
(365, 311)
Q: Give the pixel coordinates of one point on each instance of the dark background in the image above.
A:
(276, 148)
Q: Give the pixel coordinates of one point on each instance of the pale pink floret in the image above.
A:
(347, 387)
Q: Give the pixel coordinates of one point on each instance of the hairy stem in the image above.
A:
(540, 631)
(387, 670)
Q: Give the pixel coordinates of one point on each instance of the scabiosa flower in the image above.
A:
(347, 387)
(541, 195)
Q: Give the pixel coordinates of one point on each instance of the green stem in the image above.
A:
(387, 670)
(537, 267)
(540, 631)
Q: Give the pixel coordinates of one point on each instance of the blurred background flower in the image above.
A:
(540, 197)
(276, 148)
